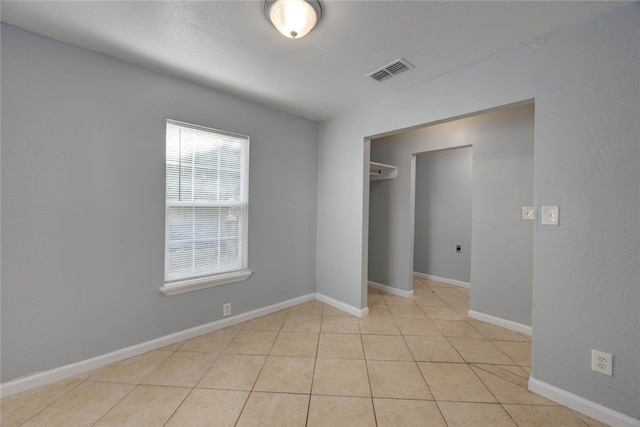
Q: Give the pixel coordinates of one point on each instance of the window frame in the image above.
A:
(203, 281)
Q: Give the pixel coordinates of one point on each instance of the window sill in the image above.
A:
(189, 285)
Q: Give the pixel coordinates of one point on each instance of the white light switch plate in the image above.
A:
(550, 215)
(528, 212)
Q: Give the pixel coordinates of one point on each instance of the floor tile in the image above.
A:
(82, 406)
(520, 352)
(508, 392)
(334, 411)
(271, 322)
(446, 290)
(493, 332)
(480, 351)
(454, 328)
(454, 381)
(341, 377)
(252, 342)
(285, 374)
(311, 307)
(375, 299)
(132, 371)
(456, 300)
(407, 413)
(397, 380)
(442, 313)
(379, 310)
(462, 414)
(543, 416)
(379, 326)
(145, 406)
(332, 311)
(432, 349)
(302, 323)
(429, 300)
(396, 299)
(215, 342)
(275, 409)
(406, 311)
(506, 372)
(385, 347)
(341, 346)
(421, 327)
(339, 325)
(303, 344)
(182, 369)
(17, 409)
(233, 372)
(209, 407)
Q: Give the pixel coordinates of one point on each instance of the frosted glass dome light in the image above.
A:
(294, 18)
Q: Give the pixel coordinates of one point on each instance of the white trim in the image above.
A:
(391, 290)
(42, 378)
(442, 280)
(498, 321)
(342, 306)
(582, 405)
(204, 282)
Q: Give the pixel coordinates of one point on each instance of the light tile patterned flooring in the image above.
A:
(412, 362)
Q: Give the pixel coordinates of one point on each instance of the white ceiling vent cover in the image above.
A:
(390, 70)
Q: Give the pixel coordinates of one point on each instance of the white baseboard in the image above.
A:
(391, 290)
(498, 321)
(342, 306)
(442, 280)
(42, 378)
(582, 405)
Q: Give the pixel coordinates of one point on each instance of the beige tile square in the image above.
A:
(302, 344)
(520, 352)
(233, 372)
(442, 313)
(384, 347)
(340, 346)
(456, 300)
(463, 312)
(454, 328)
(397, 380)
(379, 310)
(271, 322)
(432, 349)
(311, 307)
(341, 377)
(429, 300)
(145, 406)
(407, 413)
(332, 311)
(454, 381)
(286, 375)
(334, 411)
(302, 323)
(371, 290)
(17, 409)
(375, 299)
(379, 326)
(182, 369)
(508, 392)
(506, 372)
(252, 342)
(275, 409)
(209, 407)
(215, 342)
(461, 414)
(446, 290)
(81, 406)
(406, 311)
(480, 351)
(396, 299)
(543, 416)
(421, 327)
(131, 371)
(493, 332)
(339, 325)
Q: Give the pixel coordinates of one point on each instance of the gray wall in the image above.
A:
(586, 273)
(443, 214)
(83, 203)
(501, 242)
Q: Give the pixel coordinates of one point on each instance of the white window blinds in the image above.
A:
(207, 178)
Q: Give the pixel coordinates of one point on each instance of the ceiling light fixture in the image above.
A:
(293, 18)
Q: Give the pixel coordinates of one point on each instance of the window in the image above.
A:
(206, 205)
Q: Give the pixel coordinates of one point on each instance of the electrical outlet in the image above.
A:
(601, 362)
(458, 249)
(528, 212)
(226, 309)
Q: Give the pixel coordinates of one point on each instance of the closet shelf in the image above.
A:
(380, 171)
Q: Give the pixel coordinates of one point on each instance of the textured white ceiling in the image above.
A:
(230, 46)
